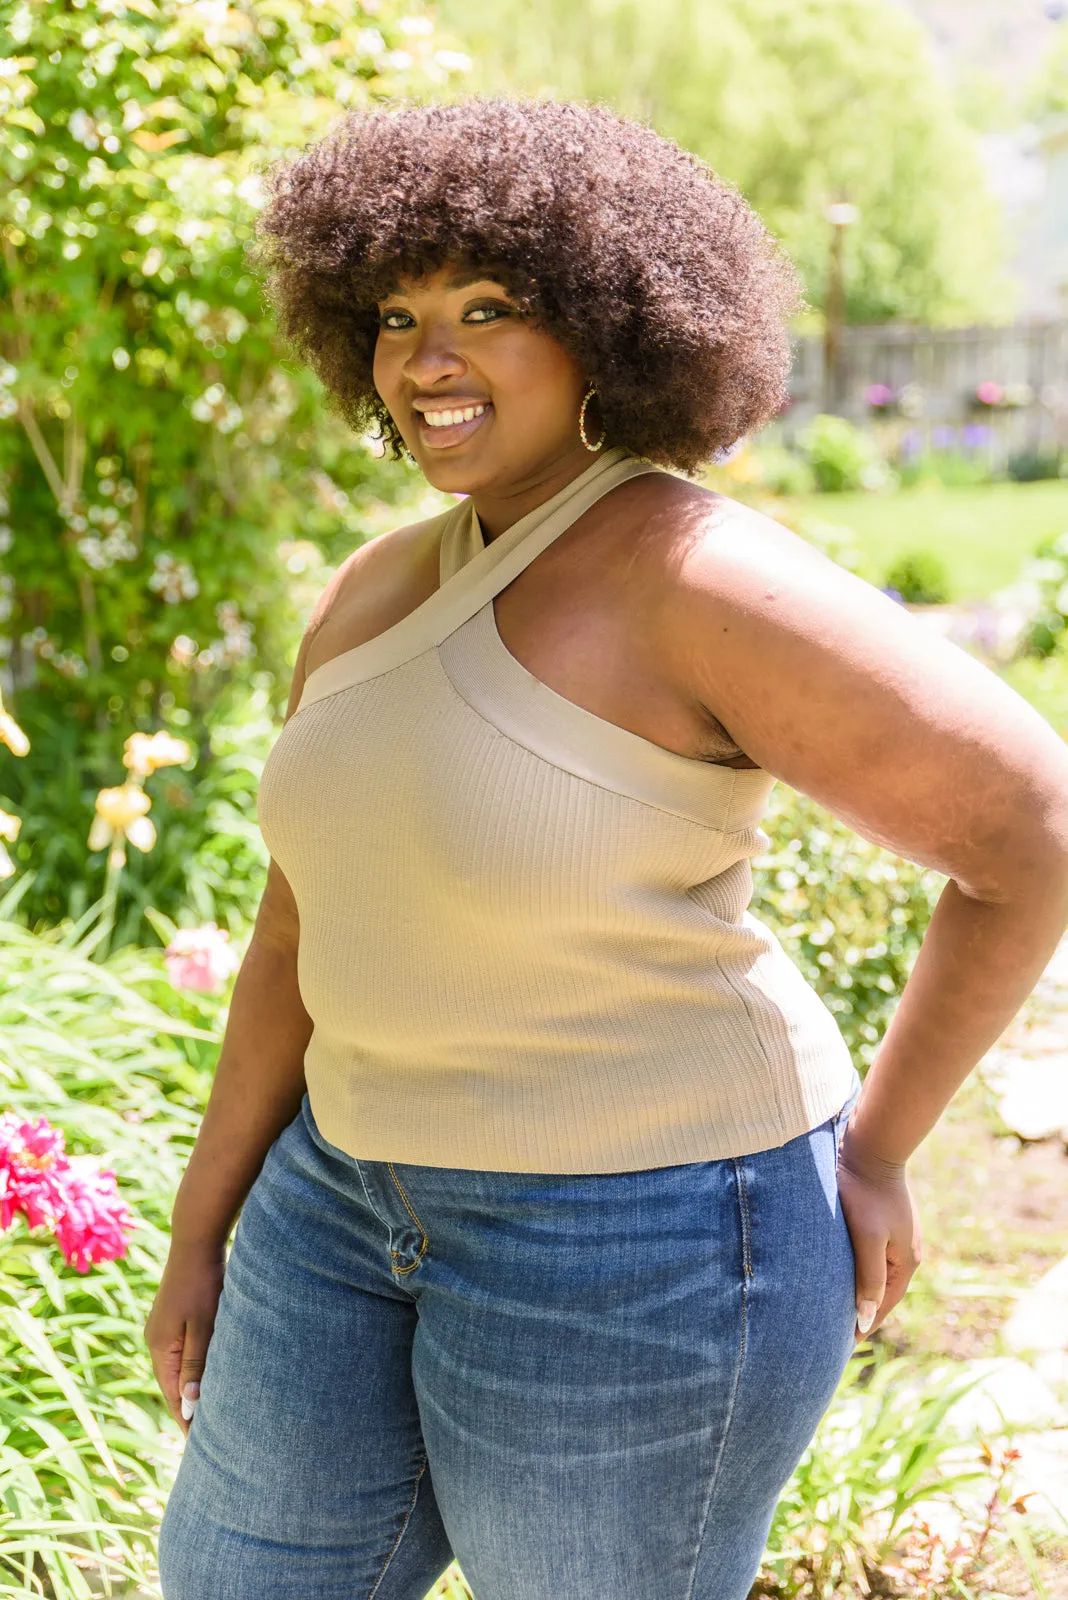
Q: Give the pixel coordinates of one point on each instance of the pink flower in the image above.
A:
(90, 1226)
(67, 1194)
(989, 393)
(878, 394)
(200, 958)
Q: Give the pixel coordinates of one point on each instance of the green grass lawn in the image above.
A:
(982, 535)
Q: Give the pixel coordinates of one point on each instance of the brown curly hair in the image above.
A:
(653, 272)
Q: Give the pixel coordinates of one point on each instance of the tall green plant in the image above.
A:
(168, 480)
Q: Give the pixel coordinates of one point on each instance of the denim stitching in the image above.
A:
(747, 1225)
(411, 1212)
(743, 1344)
(403, 1529)
(396, 1254)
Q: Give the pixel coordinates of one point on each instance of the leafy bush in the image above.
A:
(783, 471)
(851, 915)
(1044, 586)
(1031, 466)
(920, 578)
(165, 473)
(842, 456)
(886, 1452)
(951, 469)
(209, 860)
(160, 447)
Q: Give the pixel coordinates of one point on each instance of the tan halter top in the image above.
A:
(524, 941)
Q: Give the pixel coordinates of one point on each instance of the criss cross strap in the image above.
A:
(472, 573)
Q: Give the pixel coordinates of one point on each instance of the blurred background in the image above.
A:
(174, 495)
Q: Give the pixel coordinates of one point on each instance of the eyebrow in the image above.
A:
(461, 280)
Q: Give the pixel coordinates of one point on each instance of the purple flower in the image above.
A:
(893, 593)
(879, 394)
(911, 444)
(944, 437)
(976, 435)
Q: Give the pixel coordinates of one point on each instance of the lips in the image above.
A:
(455, 433)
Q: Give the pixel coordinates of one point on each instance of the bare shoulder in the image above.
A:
(373, 588)
(839, 691)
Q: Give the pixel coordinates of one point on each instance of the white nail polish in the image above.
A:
(866, 1313)
(188, 1407)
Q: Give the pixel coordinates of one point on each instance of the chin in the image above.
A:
(454, 477)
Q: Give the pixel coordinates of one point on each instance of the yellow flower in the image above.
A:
(9, 829)
(120, 814)
(144, 752)
(12, 735)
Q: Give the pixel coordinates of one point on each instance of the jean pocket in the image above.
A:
(841, 1117)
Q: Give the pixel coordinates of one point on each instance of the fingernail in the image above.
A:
(190, 1396)
(866, 1311)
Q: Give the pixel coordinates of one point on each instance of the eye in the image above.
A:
(384, 319)
(494, 310)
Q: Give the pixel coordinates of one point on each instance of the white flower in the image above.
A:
(172, 579)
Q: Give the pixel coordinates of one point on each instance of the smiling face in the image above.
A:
(486, 402)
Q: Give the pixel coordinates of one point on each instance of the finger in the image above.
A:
(899, 1271)
(869, 1254)
(166, 1363)
(190, 1373)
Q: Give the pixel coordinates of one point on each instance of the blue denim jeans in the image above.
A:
(584, 1387)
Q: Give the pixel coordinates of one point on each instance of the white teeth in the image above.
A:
(449, 419)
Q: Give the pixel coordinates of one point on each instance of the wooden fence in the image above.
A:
(934, 380)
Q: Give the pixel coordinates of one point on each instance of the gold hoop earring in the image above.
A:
(586, 398)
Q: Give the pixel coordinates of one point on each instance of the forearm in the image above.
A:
(978, 963)
(258, 1087)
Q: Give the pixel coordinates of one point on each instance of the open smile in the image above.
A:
(441, 435)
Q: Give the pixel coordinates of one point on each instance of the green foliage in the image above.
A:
(169, 483)
(1032, 466)
(920, 578)
(783, 471)
(209, 862)
(157, 450)
(1048, 91)
(850, 915)
(842, 456)
(122, 1064)
(884, 1449)
(950, 469)
(797, 102)
(1045, 580)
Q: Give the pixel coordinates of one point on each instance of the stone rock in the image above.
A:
(1033, 1101)
(1042, 1471)
(1039, 1321)
(1008, 1395)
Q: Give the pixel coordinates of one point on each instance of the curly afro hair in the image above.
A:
(653, 272)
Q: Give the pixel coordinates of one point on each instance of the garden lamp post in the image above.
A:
(841, 215)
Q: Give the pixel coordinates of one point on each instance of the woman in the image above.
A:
(537, 1136)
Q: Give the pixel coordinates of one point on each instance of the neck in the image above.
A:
(497, 509)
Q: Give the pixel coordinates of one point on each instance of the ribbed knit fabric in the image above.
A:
(524, 941)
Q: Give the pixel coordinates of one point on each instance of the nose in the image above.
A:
(433, 357)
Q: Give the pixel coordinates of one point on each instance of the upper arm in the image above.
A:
(843, 694)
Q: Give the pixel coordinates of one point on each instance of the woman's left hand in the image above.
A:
(884, 1228)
